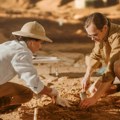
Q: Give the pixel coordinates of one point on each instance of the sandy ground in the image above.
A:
(71, 70)
(71, 46)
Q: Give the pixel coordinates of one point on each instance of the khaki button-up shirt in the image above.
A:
(108, 51)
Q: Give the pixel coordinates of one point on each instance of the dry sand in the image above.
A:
(71, 45)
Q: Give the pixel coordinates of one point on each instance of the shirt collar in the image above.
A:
(25, 45)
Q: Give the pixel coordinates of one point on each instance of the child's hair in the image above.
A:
(21, 38)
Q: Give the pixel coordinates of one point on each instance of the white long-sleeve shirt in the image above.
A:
(16, 59)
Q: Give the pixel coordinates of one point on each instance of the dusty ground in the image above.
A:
(70, 45)
(71, 70)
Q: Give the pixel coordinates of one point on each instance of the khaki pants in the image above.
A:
(18, 93)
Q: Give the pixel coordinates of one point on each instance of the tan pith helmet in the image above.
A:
(33, 30)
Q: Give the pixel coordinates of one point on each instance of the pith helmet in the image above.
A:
(33, 30)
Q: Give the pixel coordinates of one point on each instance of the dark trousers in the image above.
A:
(18, 94)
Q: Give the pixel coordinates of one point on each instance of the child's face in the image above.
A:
(35, 45)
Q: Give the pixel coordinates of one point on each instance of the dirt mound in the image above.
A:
(8, 4)
(27, 4)
(44, 4)
(63, 23)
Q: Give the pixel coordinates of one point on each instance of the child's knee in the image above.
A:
(27, 96)
(23, 96)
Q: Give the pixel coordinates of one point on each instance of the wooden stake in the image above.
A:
(35, 113)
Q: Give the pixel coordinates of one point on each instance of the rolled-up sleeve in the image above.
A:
(22, 64)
